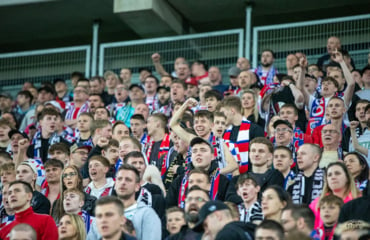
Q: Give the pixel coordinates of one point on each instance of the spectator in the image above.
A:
(99, 186)
(23, 231)
(192, 89)
(213, 98)
(243, 64)
(331, 143)
(274, 200)
(282, 161)
(24, 104)
(79, 105)
(333, 43)
(51, 187)
(6, 212)
(111, 82)
(329, 212)
(175, 218)
(219, 124)
(353, 229)
(61, 89)
(6, 101)
(364, 93)
(290, 62)
(138, 126)
(151, 84)
(5, 128)
(71, 225)
(250, 110)
(95, 101)
(126, 75)
(215, 79)
(266, 71)
(359, 169)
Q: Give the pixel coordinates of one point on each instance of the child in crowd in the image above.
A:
(329, 212)
(250, 210)
(99, 186)
(219, 124)
(175, 218)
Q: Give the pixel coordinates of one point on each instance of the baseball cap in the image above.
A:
(16, 131)
(145, 69)
(76, 146)
(285, 122)
(6, 95)
(55, 104)
(136, 85)
(199, 140)
(29, 162)
(191, 81)
(234, 71)
(207, 209)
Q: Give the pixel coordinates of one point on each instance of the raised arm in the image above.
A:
(156, 58)
(231, 165)
(23, 144)
(338, 57)
(355, 142)
(300, 82)
(175, 121)
(297, 94)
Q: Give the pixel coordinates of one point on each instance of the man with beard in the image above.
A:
(146, 222)
(194, 201)
(95, 101)
(266, 71)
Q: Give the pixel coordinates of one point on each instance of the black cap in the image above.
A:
(16, 131)
(79, 145)
(285, 122)
(145, 69)
(199, 140)
(207, 209)
(163, 87)
(138, 86)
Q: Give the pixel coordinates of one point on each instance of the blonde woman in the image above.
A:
(71, 227)
(249, 101)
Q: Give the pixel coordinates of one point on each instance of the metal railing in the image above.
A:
(43, 65)
(215, 48)
(311, 37)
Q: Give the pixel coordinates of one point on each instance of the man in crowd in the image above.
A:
(266, 71)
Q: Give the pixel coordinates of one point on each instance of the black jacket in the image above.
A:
(40, 204)
(358, 209)
(237, 231)
(226, 192)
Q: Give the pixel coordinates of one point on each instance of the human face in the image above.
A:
(80, 94)
(108, 220)
(126, 185)
(267, 59)
(7, 177)
(151, 85)
(338, 76)
(266, 234)
(336, 109)
(291, 61)
(337, 179)
(248, 101)
(44, 96)
(310, 84)
(366, 76)
(234, 81)
(283, 135)
(72, 203)
(60, 155)
(193, 203)
(142, 109)
(137, 128)
(121, 131)
(353, 165)
(211, 103)
(219, 126)
(180, 145)
(175, 220)
(183, 71)
(70, 178)
(14, 142)
(106, 132)
(95, 87)
(360, 112)
(245, 79)
(139, 164)
(259, 154)
(49, 124)
(53, 174)
(288, 222)
(163, 95)
(332, 44)
(22, 100)
(125, 75)
(329, 213)
(95, 102)
(4, 130)
(289, 115)
(126, 146)
(79, 157)
(200, 180)
(243, 64)
(328, 88)
(18, 198)
(282, 161)
(192, 91)
(201, 156)
(66, 230)
(25, 173)
(5, 194)
(97, 170)
(136, 94)
(111, 154)
(271, 204)
(202, 126)
(214, 75)
(248, 191)
(101, 114)
(330, 135)
(304, 157)
(152, 125)
(83, 123)
(121, 93)
(177, 92)
(111, 82)
(314, 70)
(166, 81)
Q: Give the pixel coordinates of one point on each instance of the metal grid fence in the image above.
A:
(215, 48)
(311, 37)
(43, 65)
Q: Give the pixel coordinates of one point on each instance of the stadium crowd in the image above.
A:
(274, 154)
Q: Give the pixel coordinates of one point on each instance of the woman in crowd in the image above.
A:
(357, 166)
(250, 107)
(338, 182)
(274, 200)
(71, 227)
(71, 178)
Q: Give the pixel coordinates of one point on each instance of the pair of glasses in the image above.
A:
(71, 174)
(196, 199)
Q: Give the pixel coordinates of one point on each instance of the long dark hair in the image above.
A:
(364, 175)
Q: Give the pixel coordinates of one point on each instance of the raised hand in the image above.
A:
(353, 124)
(337, 56)
(156, 57)
(191, 102)
(102, 142)
(23, 144)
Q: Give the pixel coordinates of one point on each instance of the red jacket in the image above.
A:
(44, 225)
